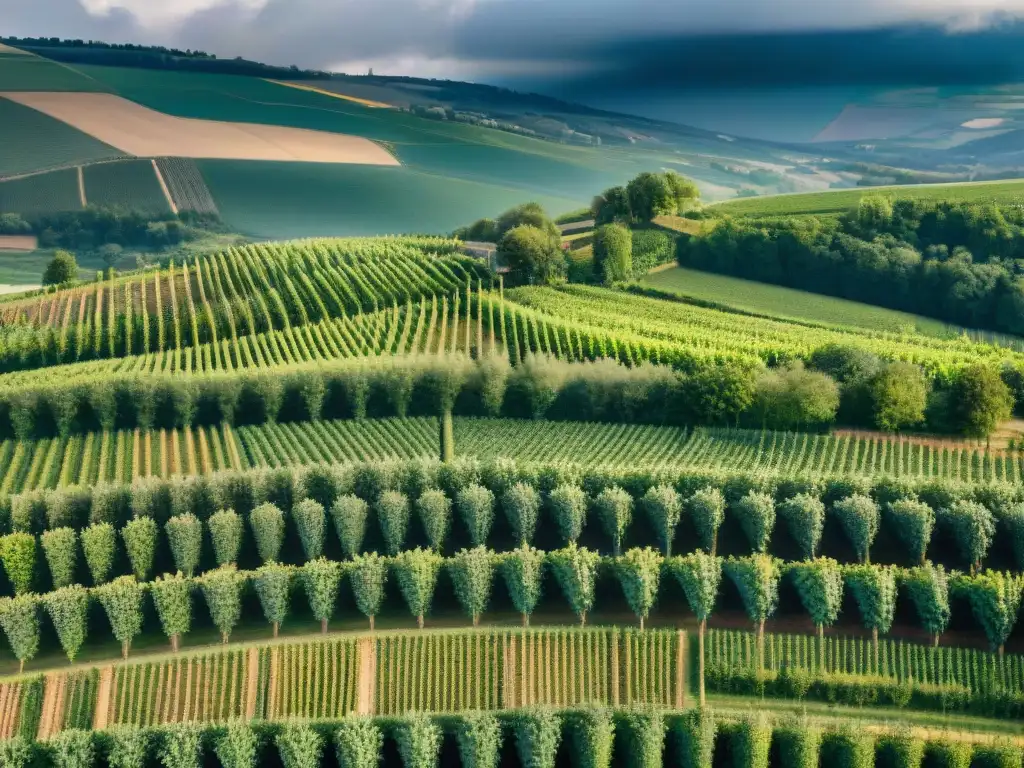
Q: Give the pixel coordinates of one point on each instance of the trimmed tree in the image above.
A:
(950, 753)
(72, 748)
(267, 523)
(644, 732)
(475, 504)
(472, 572)
(128, 747)
(756, 513)
(1013, 523)
(615, 511)
(752, 741)
(419, 741)
(913, 522)
(226, 528)
(358, 743)
(185, 537)
(521, 504)
(757, 580)
(575, 570)
(416, 573)
(820, 586)
(122, 601)
(350, 514)
(172, 596)
(707, 509)
(664, 507)
(927, 586)
(592, 733)
(859, 517)
(299, 746)
(19, 618)
(694, 734)
(799, 744)
(995, 599)
(805, 518)
(874, 590)
(392, 510)
(99, 545)
(239, 746)
(435, 512)
(18, 554)
(68, 608)
(222, 589)
(523, 571)
(639, 572)
(321, 579)
(479, 737)
(139, 536)
(311, 522)
(973, 527)
(613, 253)
(273, 583)
(368, 575)
(902, 749)
(538, 732)
(60, 547)
(699, 574)
(182, 746)
(568, 506)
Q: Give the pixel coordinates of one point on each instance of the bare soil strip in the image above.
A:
(13, 51)
(18, 243)
(81, 187)
(50, 689)
(143, 132)
(366, 680)
(163, 186)
(101, 714)
(252, 683)
(334, 95)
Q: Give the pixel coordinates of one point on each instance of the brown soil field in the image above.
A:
(143, 132)
(18, 243)
(335, 94)
(11, 51)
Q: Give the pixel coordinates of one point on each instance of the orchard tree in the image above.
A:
(479, 738)
(139, 536)
(238, 747)
(756, 512)
(757, 580)
(99, 545)
(805, 518)
(927, 586)
(913, 522)
(568, 505)
(700, 575)
(311, 521)
(60, 547)
(706, 508)
(416, 573)
(273, 583)
(226, 535)
(321, 579)
(472, 572)
(538, 732)
(172, 596)
(392, 510)
(368, 575)
(222, 589)
(874, 589)
(185, 537)
(859, 517)
(358, 742)
(350, 513)
(267, 523)
(639, 572)
(18, 553)
(973, 528)
(592, 733)
(476, 508)
(614, 508)
(521, 504)
(523, 570)
(19, 618)
(995, 599)
(575, 569)
(419, 741)
(820, 586)
(68, 608)
(122, 601)
(613, 253)
(664, 507)
(435, 512)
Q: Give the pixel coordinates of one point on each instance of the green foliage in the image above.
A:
(805, 517)
(122, 601)
(756, 513)
(72, 748)
(139, 536)
(61, 270)
(321, 579)
(613, 253)
(128, 747)
(859, 515)
(226, 530)
(416, 572)
(568, 505)
(435, 511)
(981, 401)
(299, 746)
(185, 537)
(899, 396)
(531, 254)
(392, 510)
(476, 508)
(521, 504)
(19, 618)
(99, 544)
(419, 741)
(68, 608)
(949, 753)
(614, 508)
(538, 733)
(611, 206)
(222, 589)
(874, 589)
(699, 574)
(751, 742)
(172, 596)
(311, 521)
(639, 572)
(1013, 523)
(913, 522)
(820, 586)
(757, 580)
(479, 738)
(349, 514)
(523, 570)
(795, 398)
(1000, 754)
(927, 586)
(575, 569)
(472, 572)
(995, 599)
(902, 749)
(706, 507)
(799, 744)
(644, 732)
(849, 747)
(267, 523)
(664, 508)
(650, 195)
(239, 746)
(358, 743)
(694, 733)
(368, 575)
(60, 547)
(973, 528)
(273, 583)
(182, 746)
(15, 752)
(18, 554)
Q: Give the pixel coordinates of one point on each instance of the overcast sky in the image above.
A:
(558, 42)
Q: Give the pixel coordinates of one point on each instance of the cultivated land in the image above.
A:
(26, 243)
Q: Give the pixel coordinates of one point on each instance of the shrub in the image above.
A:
(18, 554)
(311, 521)
(435, 511)
(349, 514)
(615, 511)
(185, 537)
(799, 745)
(392, 510)
(128, 747)
(707, 508)
(419, 741)
(973, 528)
(182, 746)
(267, 523)
(99, 544)
(479, 738)
(472, 571)
(358, 743)
(273, 584)
(521, 504)
(645, 735)
(222, 589)
(299, 746)
(60, 546)
(805, 517)
(695, 737)
(751, 742)
(538, 733)
(226, 535)
(72, 748)
(756, 513)
(593, 735)
(122, 601)
(321, 578)
(859, 516)
(172, 597)
(67, 608)
(19, 618)
(238, 747)
(368, 575)
(416, 572)
(139, 536)
(476, 508)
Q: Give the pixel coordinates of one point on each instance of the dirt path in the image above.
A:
(163, 186)
(81, 187)
(366, 680)
(252, 679)
(51, 687)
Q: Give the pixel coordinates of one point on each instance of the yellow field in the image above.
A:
(334, 94)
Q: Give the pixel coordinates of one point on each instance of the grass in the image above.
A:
(838, 201)
(26, 268)
(129, 184)
(788, 303)
(44, 193)
(20, 72)
(680, 224)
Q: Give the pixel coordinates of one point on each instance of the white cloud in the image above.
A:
(158, 13)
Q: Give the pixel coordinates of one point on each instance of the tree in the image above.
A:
(973, 528)
(805, 517)
(650, 195)
(419, 741)
(664, 508)
(61, 270)
(613, 253)
(532, 255)
(358, 742)
(472, 571)
(172, 596)
(995, 599)
(526, 214)
(521, 504)
(575, 569)
(756, 512)
(18, 554)
(820, 586)
(111, 254)
(1013, 523)
(238, 747)
(311, 522)
(349, 513)
(592, 731)
(99, 544)
(699, 575)
(684, 191)
(981, 401)
(614, 508)
(757, 580)
(226, 535)
(122, 601)
(139, 536)
(68, 608)
(60, 546)
(222, 589)
(695, 736)
(368, 575)
(859, 516)
(707, 509)
(479, 738)
(927, 586)
(19, 618)
(476, 508)
(182, 746)
(416, 572)
(15, 752)
(795, 398)
(611, 206)
(913, 522)
(523, 570)
(751, 742)
(644, 732)
(639, 572)
(899, 395)
(799, 744)
(267, 523)
(321, 579)
(185, 537)
(845, 363)
(273, 583)
(538, 733)
(72, 748)
(435, 511)
(568, 505)
(392, 510)
(874, 590)
(299, 746)
(128, 747)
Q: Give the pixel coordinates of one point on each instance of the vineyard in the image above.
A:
(42, 193)
(128, 184)
(186, 184)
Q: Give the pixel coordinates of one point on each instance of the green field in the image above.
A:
(838, 201)
(19, 72)
(43, 193)
(33, 142)
(130, 184)
(788, 303)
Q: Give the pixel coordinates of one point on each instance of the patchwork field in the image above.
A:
(26, 72)
(18, 243)
(129, 184)
(41, 193)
